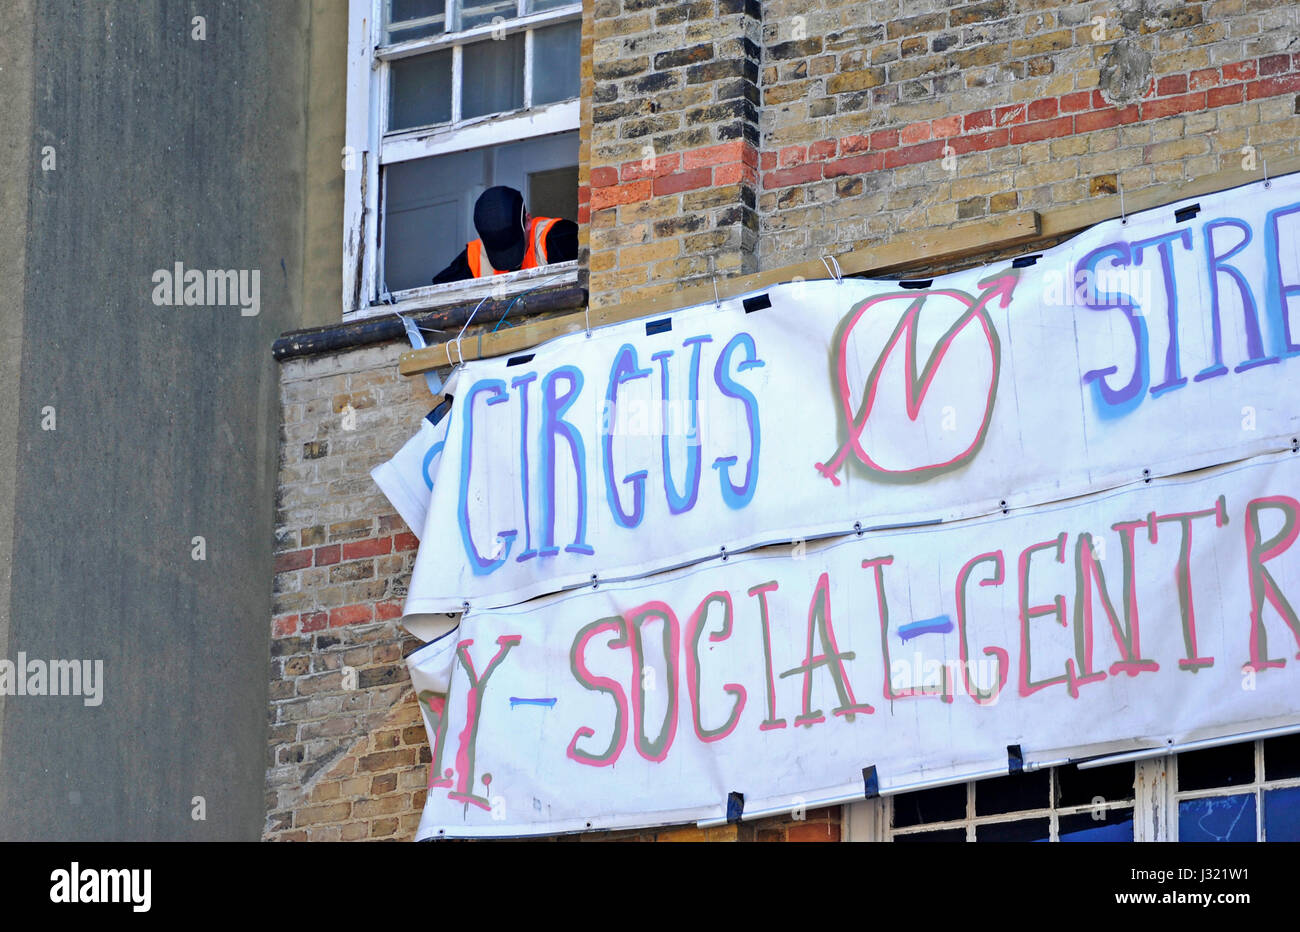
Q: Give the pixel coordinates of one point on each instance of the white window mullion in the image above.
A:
(1154, 808)
(970, 811)
(457, 56)
(528, 69)
(1053, 815)
(863, 820)
(1260, 828)
(373, 278)
(378, 122)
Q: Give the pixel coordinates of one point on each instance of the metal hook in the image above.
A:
(586, 313)
(1123, 218)
(1267, 183)
(713, 274)
(828, 261)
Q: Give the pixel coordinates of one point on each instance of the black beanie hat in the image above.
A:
(499, 219)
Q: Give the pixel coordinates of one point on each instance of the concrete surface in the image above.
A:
(169, 149)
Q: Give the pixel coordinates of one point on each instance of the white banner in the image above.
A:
(1136, 350)
(1158, 613)
(407, 478)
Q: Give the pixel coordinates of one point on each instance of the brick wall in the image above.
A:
(898, 115)
(716, 136)
(347, 748)
(673, 155)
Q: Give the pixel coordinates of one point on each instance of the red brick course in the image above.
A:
(1049, 118)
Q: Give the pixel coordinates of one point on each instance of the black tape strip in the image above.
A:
(735, 806)
(1015, 759)
(757, 303)
(658, 326)
(1187, 213)
(519, 360)
(870, 782)
(1025, 260)
(439, 412)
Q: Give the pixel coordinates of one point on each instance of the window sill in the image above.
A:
(430, 297)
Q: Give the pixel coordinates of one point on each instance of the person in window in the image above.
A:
(509, 239)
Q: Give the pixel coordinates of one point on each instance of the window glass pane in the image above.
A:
(481, 12)
(1282, 757)
(555, 63)
(1013, 793)
(946, 834)
(1019, 830)
(1114, 825)
(941, 804)
(1225, 766)
(1110, 784)
(492, 79)
(419, 90)
(413, 19)
(553, 193)
(1282, 814)
(538, 6)
(1217, 818)
(428, 214)
(429, 203)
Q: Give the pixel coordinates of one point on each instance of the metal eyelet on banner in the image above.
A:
(723, 551)
(464, 609)
(857, 528)
(1146, 475)
(594, 581)
(1003, 505)
(829, 261)
(1295, 444)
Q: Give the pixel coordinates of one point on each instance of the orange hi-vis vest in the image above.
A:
(535, 255)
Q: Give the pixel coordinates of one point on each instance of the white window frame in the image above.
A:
(368, 148)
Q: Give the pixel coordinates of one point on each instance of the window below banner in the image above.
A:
(1242, 792)
(1236, 793)
(1060, 804)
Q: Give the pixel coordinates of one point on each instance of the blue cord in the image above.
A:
(507, 310)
